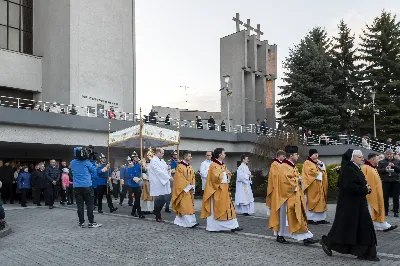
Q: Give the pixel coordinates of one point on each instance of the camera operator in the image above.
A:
(103, 176)
(81, 169)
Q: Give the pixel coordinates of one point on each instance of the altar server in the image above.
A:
(244, 200)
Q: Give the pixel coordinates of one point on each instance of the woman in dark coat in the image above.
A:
(352, 231)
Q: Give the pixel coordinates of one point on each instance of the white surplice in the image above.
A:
(204, 166)
(159, 177)
(378, 225)
(244, 200)
(216, 225)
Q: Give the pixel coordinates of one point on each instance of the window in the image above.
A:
(16, 25)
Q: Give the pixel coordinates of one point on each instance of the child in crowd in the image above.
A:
(65, 183)
(24, 184)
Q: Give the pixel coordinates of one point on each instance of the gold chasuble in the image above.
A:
(223, 207)
(375, 198)
(288, 190)
(316, 191)
(183, 202)
(271, 199)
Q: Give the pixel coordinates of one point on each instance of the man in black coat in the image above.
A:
(389, 171)
(6, 177)
(39, 182)
(352, 231)
(52, 175)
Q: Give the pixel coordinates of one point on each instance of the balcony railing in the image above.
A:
(90, 111)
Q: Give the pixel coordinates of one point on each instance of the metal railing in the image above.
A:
(90, 111)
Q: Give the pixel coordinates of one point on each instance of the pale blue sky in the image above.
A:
(178, 40)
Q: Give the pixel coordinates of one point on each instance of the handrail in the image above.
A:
(199, 124)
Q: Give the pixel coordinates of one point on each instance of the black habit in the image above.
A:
(352, 231)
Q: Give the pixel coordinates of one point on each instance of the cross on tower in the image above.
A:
(238, 22)
(249, 28)
(259, 32)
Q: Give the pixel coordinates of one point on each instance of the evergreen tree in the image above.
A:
(380, 50)
(308, 100)
(346, 78)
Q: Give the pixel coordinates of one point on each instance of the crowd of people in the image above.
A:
(294, 200)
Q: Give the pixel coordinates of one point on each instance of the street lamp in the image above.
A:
(373, 94)
(226, 79)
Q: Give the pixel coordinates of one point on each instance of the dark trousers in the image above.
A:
(14, 195)
(391, 189)
(94, 196)
(126, 189)
(159, 202)
(24, 193)
(63, 194)
(84, 195)
(70, 194)
(37, 193)
(137, 191)
(116, 190)
(50, 194)
(168, 198)
(101, 190)
(2, 213)
(7, 192)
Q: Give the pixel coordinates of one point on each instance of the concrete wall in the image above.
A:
(20, 71)
(51, 39)
(102, 53)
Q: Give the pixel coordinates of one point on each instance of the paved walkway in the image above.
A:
(51, 237)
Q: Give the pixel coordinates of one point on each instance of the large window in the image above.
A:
(16, 25)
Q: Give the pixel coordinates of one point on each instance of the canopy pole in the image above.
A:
(108, 151)
(141, 134)
(179, 139)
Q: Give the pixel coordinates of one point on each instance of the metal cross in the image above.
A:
(249, 28)
(259, 32)
(238, 22)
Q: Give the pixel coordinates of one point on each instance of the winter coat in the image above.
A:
(24, 180)
(6, 174)
(37, 179)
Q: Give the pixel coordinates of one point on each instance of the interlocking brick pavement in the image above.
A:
(51, 237)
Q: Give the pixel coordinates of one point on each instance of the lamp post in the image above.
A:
(226, 79)
(373, 94)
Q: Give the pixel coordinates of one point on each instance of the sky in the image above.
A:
(178, 41)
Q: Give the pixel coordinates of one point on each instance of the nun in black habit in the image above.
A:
(352, 231)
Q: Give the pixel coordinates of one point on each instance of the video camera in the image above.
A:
(86, 153)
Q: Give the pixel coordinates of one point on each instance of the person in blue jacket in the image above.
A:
(133, 177)
(94, 183)
(173, 164)
(103, 175)
(24, 184)
(81, 171)
(126, 188)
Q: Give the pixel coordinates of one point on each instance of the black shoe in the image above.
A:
(113, 209)
(390, 228)
(81, 225)
(237, 229)
(246, 214)
(194, 226)
(94, 225)
(327, 250)
(39, 204)
(141, 216)
(323, 222)
(368, 258)
(100, 211)
(24, 205)
(134, 214)
(62, 203)
(310, 241)
(167, 211)
(282, 240)
(120, 204)
(312, 222)
(51, 207)
(396, 214)
(69, 203)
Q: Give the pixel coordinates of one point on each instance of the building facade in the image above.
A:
(251, 64)
(79, 52)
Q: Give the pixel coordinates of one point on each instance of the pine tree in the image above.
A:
(308, 100)
(346, 78)
(380, 49)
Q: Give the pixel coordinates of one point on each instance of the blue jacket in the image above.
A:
(94, 175)
(24, 180)
(173, 165)
(81, 171)
(102, 176)
(130, 173)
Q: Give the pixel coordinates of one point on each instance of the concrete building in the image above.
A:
(251, 65)
(79, 52)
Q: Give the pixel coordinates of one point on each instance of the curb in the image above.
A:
(6, 231)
